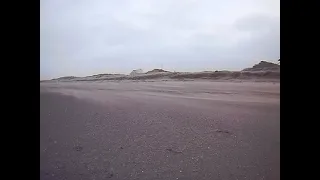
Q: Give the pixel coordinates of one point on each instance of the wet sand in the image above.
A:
(160, 130)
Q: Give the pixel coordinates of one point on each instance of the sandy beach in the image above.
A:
(160, 130)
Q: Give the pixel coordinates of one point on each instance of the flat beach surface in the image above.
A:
(160, 130)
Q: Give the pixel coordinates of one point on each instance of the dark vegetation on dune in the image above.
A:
(156, 71)
(264, 66)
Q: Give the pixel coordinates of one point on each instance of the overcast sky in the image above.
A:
(85, 37)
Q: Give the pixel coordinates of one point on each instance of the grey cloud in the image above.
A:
(84, 37)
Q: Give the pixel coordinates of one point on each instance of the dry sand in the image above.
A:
(160, 130)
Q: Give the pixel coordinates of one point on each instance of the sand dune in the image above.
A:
(262, 71)
(217, 75)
